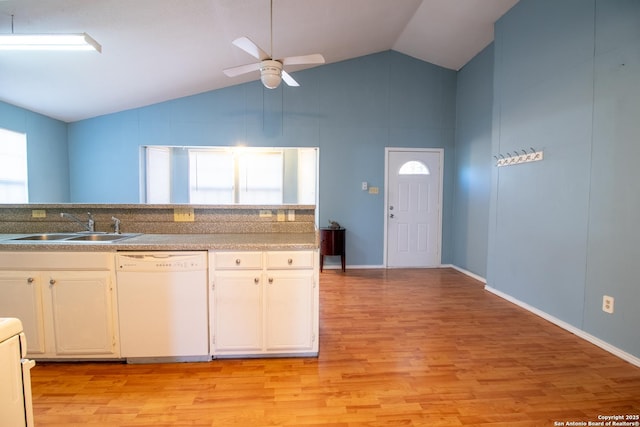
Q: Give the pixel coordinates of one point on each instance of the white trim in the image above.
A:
(352, 267)
(566, 326)
(387, 150)
(466, 272)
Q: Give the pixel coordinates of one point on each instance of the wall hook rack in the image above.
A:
(515, 159)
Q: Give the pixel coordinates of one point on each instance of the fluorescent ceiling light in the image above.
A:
(48, 42)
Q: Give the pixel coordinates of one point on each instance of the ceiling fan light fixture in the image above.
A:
(271, 73)
(81, 41)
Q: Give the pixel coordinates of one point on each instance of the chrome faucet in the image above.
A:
(89, 225)
(116, 225)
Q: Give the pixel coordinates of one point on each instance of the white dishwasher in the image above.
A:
(163, 306)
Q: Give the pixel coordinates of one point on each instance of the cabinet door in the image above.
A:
(237, 312)
(289, 310)
(20, 296)
(81, 304)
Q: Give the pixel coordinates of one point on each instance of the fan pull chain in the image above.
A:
(271, 31)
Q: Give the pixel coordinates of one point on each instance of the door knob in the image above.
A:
(390, 208)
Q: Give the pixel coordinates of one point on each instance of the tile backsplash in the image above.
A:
(160, 219)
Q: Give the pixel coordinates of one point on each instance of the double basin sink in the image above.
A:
(88, 237)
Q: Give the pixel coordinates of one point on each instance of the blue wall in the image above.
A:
(47, 155)
(472, 181)
(563, 232)
(351, 110)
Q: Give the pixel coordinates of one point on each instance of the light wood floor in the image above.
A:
(398, 348)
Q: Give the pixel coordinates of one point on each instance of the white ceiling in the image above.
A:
(156, 50)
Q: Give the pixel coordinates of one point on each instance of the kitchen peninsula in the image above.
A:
(259, 298)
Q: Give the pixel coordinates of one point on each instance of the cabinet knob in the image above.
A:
(270, 279)
(237, 261)
(52, 281)
(290, 261)
(256, 280)
(30, 280)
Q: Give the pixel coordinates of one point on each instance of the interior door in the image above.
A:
(413, 203)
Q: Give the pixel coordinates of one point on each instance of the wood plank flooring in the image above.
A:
(398, 348)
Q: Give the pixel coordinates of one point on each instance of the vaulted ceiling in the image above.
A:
(156, 50)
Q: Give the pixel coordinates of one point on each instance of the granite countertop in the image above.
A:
(174, 242)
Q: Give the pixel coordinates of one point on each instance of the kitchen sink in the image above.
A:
(46, 237)
(75, 237)
(101, 237)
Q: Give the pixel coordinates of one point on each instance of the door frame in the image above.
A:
(440, 152)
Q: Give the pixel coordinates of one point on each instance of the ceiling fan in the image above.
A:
(271, 70)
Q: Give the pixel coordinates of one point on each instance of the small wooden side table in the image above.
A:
(332, 243)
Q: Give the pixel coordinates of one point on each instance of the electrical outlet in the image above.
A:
(265, 213)
(365, 185)
(280, 216)
(291, 215)
(607, 304)
(38, 213)
(183, 215)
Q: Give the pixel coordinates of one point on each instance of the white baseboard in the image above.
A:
(568, 327)
(466, 272)
(351, 267)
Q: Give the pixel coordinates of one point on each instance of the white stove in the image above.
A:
(15, 377)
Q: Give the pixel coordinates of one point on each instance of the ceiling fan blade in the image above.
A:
(251, 48)
(289, 80)
(315, 58)
(242, 69)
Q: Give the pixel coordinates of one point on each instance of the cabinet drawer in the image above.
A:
(238, 260)
(290, 259)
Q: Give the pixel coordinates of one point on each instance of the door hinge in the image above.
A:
(213, 285)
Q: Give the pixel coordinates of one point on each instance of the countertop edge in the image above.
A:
(175, 242)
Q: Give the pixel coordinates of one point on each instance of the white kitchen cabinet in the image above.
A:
(264, 303)
(81, 308)
(289, 311)
(238, 311)
(21, 297)
(66, 303)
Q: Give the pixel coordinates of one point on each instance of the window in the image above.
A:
(413, 167)
(211, 177)
(223, 175)
(13, 167)
(260, 177)
(158, 183)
